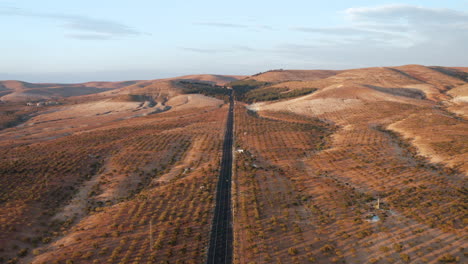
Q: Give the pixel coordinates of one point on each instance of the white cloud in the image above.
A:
(225, 25)
(406, 14)
(390, 34)
(400, 25)
(87, 27)
(204, 50)
(221, 24)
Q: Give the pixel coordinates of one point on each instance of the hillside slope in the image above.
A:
(368, 167)
(292, 75)
(386, 183)
(17, 91)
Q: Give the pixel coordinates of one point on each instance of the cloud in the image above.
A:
(89, 36)
(110, 28)
(406, 14)
(386, 35)
(223, 25)
(350, 31)
(9, 10)
(235, 26)
(203, 50)
(351, 35)
(266, 27)
(398, 26)
(246, 48)
(89, 28)
(231, 49)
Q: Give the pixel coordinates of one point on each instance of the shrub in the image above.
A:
(23, 252)
(447, 258)
(398, 247)
(327, 248)
(292, 251)
(405, 257)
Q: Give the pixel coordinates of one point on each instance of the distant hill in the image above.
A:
(214, 79)
(18, 91)
(292, 75)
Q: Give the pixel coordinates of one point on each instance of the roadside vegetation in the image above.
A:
(242, 87)
(249, 91)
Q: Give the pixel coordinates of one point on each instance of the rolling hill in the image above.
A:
(18, 91)
(353, 166)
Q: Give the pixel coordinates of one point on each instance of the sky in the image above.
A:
(89, 40)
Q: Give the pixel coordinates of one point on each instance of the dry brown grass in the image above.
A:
(83, 181)
(318, 203)
(423, 215)
(90, 194)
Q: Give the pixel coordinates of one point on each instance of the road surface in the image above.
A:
(220, 249)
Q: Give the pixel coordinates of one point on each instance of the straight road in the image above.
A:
(220, 250)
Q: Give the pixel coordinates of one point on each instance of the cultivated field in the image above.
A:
(113, 180)
(354, 166)
(388, 147)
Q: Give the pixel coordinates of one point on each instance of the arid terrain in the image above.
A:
(352, 166)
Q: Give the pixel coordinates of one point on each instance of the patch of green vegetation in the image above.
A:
(242, 87)
(132, 98)
(250, 91)
(274, 93)
(207, 89)
(250, 83)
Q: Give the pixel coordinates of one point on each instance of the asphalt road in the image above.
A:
(220, 249)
